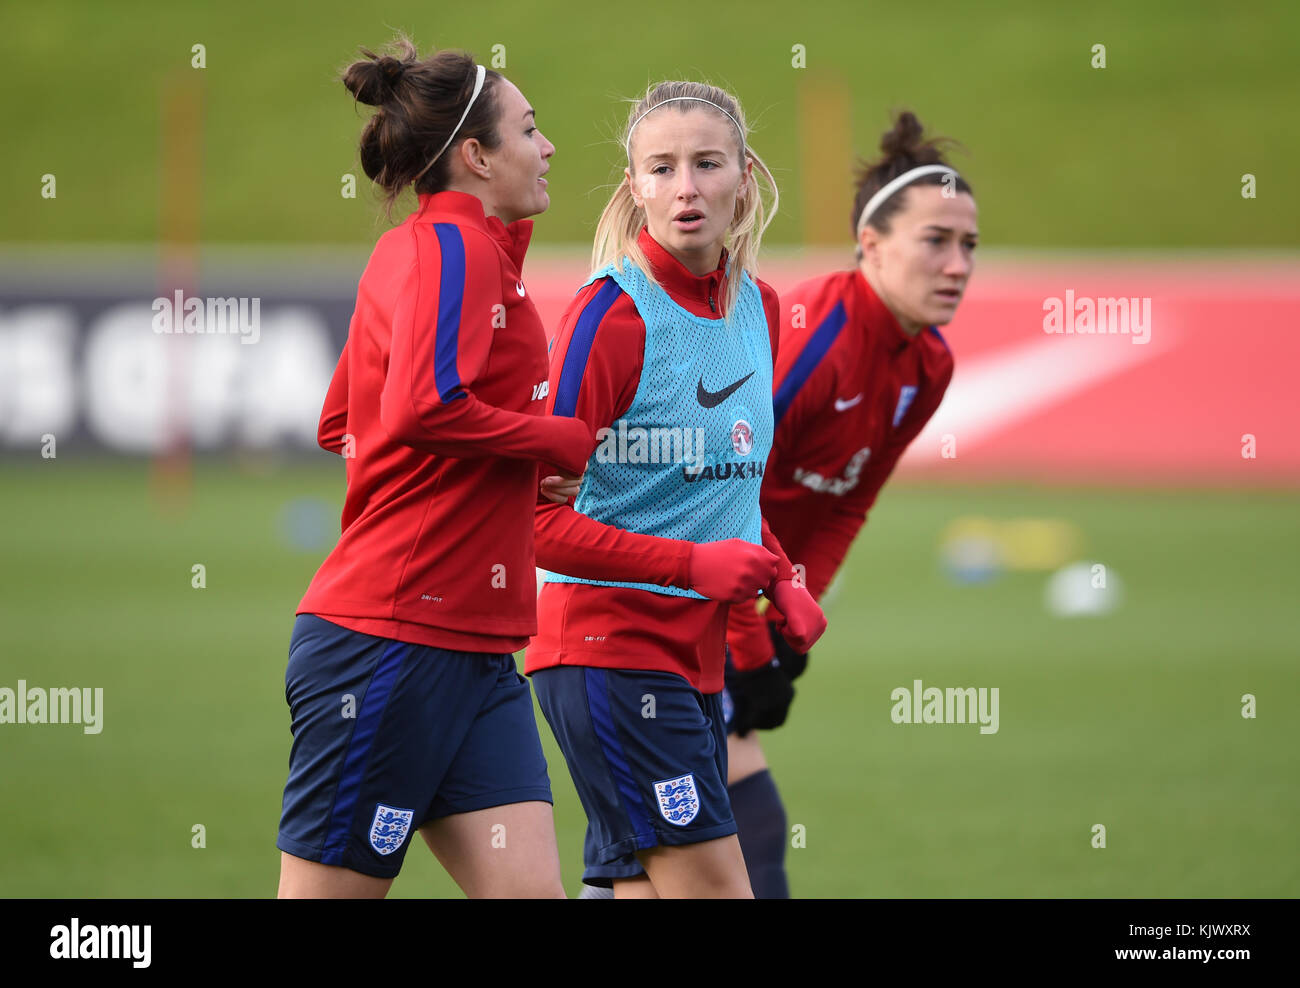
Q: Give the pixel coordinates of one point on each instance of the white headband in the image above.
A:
(889, 189)
(674, 99)
(478, 88)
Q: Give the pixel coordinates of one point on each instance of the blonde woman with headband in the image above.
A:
(667, 353)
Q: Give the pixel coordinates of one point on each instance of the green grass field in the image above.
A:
(1148, 151)
(1131, 720)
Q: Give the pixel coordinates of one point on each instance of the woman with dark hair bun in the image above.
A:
(408, 712)
(862, 367)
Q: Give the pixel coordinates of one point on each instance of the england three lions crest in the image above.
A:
(678, 801)
(389, 828)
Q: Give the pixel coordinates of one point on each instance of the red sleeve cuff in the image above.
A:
(784, 570)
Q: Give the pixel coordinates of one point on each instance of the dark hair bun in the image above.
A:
(903, 147)
(374, 80)
(904, 139)
(421, 105)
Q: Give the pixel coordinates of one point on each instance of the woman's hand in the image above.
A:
(732, 570)
(802, 621)
(560, 488)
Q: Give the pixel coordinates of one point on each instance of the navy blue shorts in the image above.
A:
(648, 756)
(388, 735)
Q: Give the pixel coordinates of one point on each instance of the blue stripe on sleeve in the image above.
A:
(584, 334)
(807, 362)
(358, 754)
(603, 723)
(451, 291)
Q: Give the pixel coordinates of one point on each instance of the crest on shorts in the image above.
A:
(678, 801)
(389, 828)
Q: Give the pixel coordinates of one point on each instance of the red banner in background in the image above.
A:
(1152, 369)
(1128, 370)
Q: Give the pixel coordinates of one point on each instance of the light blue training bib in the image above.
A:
(686, 460)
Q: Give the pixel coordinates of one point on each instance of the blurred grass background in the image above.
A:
(1148, 151)
(1131, 720)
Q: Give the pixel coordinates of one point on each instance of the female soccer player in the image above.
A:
(408, 711)
(667, 352)
(862, 369)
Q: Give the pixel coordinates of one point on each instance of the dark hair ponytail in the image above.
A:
(903, 147)
(419, 102)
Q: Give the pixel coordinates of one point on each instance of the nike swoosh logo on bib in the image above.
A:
(710, 399)
(841, 405)
(519, 287)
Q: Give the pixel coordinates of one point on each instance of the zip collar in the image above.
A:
(461, 207)
(705, 291)
(876, 314)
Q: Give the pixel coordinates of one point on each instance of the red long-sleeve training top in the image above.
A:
(437, 408)
(852, 390)
(624, 627)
